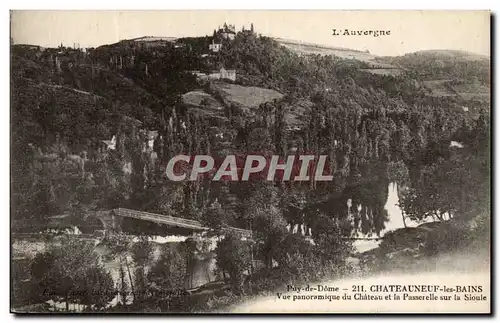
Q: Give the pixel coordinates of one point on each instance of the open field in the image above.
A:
(247, 96)
(345, 53)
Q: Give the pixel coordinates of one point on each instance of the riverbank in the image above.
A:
(448, 253)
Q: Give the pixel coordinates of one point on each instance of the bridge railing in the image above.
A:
(160, 217)
(171, 220)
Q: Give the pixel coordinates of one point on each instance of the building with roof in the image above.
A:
(221, 74)
(215, 47)
(228, 74)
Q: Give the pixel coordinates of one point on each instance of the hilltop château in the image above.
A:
(227, 32)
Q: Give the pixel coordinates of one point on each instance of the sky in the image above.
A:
(410, 31)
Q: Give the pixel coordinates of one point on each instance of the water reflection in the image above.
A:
(394, 220)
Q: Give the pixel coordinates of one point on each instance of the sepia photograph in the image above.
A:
(250, 161)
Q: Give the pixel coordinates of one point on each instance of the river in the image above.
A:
(446, 270)
(395, 220)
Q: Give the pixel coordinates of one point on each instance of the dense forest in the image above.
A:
(376, 129)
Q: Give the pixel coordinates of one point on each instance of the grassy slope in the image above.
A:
(247, 96)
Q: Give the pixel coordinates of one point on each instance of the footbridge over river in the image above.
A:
(122, 219)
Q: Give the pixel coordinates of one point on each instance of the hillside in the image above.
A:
(306, 48)
(297, 97)
(470, 85)
(249, 97)
(372, 63)
(450, 55)
(95, 130)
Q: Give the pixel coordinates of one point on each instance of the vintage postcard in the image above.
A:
(250, 162)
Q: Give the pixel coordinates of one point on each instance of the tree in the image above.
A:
(169, 271)
(270, 230)
(263, 215)
(293, 204)
(167, 274)
(260, 141)
(119, 248)
(448, 188)
(73, 272)
(234, 257)
(141, 254)
(214, 217)
(96, 287)
(296, 259)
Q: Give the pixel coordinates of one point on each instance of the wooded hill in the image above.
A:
(376, 129)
